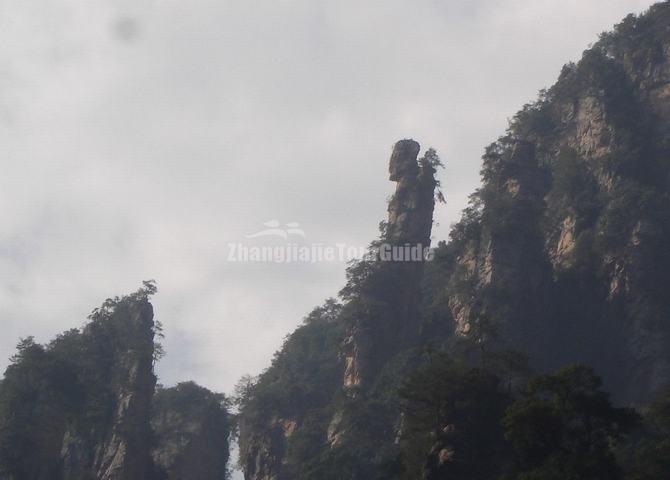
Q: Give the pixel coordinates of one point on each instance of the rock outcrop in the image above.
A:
(81, 407)
(563, 256)
(410, 210)
(410, 219)
(379, 318)
(119, 449)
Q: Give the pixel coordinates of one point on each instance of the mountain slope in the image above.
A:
(563, 254)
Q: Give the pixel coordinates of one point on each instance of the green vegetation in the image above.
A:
(66, 384)
(71, 389)
(303, 379)
(647, 455)
(191, 428)
(564, 426)
(451, 421)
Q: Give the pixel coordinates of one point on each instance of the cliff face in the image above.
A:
(81, 407)
(565, 249)
(563, 254)
(372, 339)
(119, 448)
(342, 350)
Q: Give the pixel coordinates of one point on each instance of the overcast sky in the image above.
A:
(139, 137)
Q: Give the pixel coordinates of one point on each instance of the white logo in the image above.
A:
(274, 229)
(290, 251)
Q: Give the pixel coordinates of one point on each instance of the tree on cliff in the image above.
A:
(564, 426)
(451, 421)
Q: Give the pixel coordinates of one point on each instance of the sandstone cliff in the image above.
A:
(343, 348)
(564, 248)
(118, 448)
(371, 339)
(81, 407)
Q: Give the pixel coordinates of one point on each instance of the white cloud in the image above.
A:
(138, 138)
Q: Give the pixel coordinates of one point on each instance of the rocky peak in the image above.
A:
(119, 450)
(410, 219)
(403, 165)
(410, 211)
(86, 401)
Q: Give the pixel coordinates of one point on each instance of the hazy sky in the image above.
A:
(139, 137)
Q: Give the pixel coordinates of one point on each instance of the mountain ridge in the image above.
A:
(562, 254)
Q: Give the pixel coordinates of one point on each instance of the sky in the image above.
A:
(139, 138)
